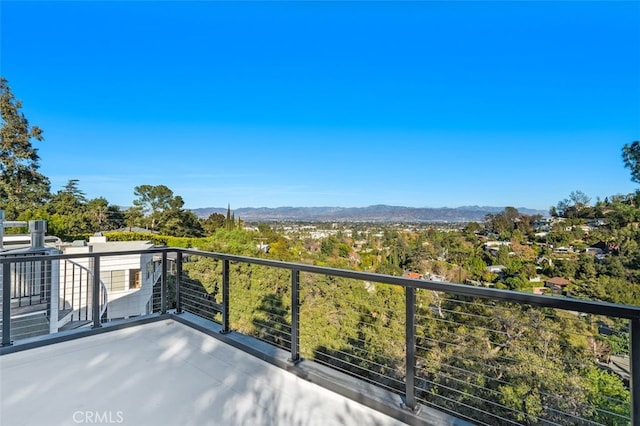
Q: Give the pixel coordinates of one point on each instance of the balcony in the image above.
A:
(235, 340)
(163, 373)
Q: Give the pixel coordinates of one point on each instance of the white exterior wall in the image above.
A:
(131, 301)
(126, 301)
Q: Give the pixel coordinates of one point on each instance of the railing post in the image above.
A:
(295, 317)
(163, 284)
(634, 360)
(410, 337)
(178, 278)
(95, 293)
(54, 296)
(6, 304)
(225, 297)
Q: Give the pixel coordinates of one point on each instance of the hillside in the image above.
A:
(377, 213)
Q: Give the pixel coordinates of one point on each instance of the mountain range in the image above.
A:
(376, 213)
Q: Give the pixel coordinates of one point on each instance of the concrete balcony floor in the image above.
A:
(163, 373)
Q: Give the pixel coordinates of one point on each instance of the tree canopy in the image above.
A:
(162, 211)
(21, 185)
(631, 158)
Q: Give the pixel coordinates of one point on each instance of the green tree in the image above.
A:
(502, 223)
(103, 216)
(230, 219)
(181, 223)
(608, 396)
(133, 216)
(586, 268)
(67, 211)
(22, 187)
(213, 222)
(472, 227)
(153, 201)
(71, 187)
(631, 158)
(575, 206)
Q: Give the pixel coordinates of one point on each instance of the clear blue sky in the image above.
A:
(423, 104)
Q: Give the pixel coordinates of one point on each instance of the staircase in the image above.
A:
(30, 289)
(26, 326)
(37, 324)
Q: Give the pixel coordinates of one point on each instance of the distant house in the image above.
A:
(556, 284)
(496, 269)
(598, 222)
(585, 228)
(563, 250)
(412, 275)
(490, 244)
(543, 260)
(434, 277)
(542, 224)
(593, 251)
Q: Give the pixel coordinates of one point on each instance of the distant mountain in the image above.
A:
(377, 213)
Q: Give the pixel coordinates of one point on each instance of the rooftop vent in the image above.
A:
(37, 228)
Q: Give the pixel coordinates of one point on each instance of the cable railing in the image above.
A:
(47, 295)
(483, 355)
(29, 279)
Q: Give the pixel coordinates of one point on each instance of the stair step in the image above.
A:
(73, 325)
(28, 326)
(63, 313)
(27, 309)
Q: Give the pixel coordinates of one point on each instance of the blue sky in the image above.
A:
(423, 104)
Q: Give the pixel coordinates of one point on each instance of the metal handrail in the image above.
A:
(579, 305)
(90, 274)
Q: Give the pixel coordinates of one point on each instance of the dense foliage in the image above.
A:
(21, 185)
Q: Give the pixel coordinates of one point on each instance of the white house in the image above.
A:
(52, 295)
(128, 279)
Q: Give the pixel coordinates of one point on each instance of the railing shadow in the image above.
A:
(163, 373)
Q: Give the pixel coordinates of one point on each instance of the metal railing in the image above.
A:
(58, 291)
(484, 355)
(75, 282)
(29, 282)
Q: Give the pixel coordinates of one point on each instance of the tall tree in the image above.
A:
(133, 216)
(154, 200)
(228, 221)
(631, 158)
(213, 222)
(22, 187)
(67, 211)
(163, 211)
(104, 216)
(72, 188)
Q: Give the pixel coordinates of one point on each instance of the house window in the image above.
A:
(113, 280)
(134, 278)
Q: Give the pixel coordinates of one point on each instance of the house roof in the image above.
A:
(559, 281)
(414, 275)
(121, 246)
(496, 267)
